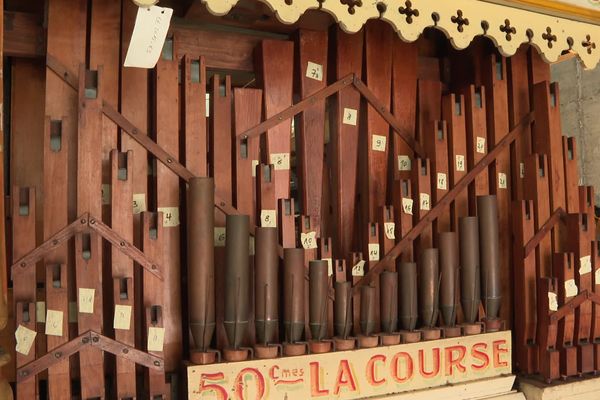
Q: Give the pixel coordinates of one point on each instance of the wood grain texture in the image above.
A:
(564, 265)
(403, 216)
(421, 191)
(571, 173)
(193, 115)
(436, 145)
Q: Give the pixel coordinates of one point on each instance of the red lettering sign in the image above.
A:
(372, 377)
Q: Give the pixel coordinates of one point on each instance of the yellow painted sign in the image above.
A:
(356, 374)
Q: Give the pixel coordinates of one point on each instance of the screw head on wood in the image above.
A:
(92, 221)
(58, 354)
(95, 339)
(157, 363)
(153, 266)
(122, 244)
(134, 131)
(23, 373)
(23, 265)
(169, 160)
(83, 221)
(54, 242)
(85, 340)
(125, 351)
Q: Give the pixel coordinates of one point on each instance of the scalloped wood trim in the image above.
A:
(460, 20)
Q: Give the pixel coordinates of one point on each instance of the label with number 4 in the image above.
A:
(424, 201)
(170, 216)
(571, 288)
(460, 163)
(480, 147)
(268, 218)
(309, 240)
(373, 251)
(350, 116)
(280, 161)
(407, 206)
(314, 71)
(404, 163)
(359, 269)
(379, 143)
(442, 181)
(390, 230)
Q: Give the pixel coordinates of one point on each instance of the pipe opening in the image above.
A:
(86, 246)
(55, 135)
(23, 202)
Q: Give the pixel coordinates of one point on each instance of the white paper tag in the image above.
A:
(460, 162)
(139, 203)
(105, 194)
(156, 339)
(314, 71)
(442, 181)
(40, 311)
(585, 265)
(359, 269)
(86, 300)
(424, 201)
(379, 143)
(54, 323)
(390, 230)
(571, 288)
(122, 319)
(373, 251)
(148, 38)
(522, 170)
(480, 146)
(552, 301)
(350, 116)
(280, 161)
(502, 181)
(254, 165)
(170, 216)
(219, 236)
(24, 338)
(407, 206)
(597, 277)
(404, 163)
(329, 266)
(309, 240)
(268, 218)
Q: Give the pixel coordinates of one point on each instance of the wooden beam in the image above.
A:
(24, 35)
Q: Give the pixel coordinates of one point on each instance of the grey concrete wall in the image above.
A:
(580, 116)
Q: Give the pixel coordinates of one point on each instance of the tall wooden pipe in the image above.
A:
(237, 279)
(367, 310)
(318, 287)
(201, 267)
(449, 275)
(469, 267)
(407, 277)
(293, 292)
(343, 306)
(487, 211)
(429, 287)
(389, 301)
(266, 285)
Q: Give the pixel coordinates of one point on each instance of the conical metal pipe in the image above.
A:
(407, 281)
(293, 294)
(367, 310)
(469, 267)
(449, 276)
(237, 279)
(487, 211)
(389, 301)
(429, 287)
(200, 255)
(318, 285)
(343, 306)
(266, 268)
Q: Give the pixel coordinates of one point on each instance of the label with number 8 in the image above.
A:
(280, 161)
(268, 218)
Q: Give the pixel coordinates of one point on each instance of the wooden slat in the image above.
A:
(569, 147)
(372, 251)
(543, 231)
(404, 207)
(422, 204)
(596, 308)
(429, 106)
(24, 35)
(287, 223)
(436, 145)
(388, 231)
(547, 332)
(194, 115)
(476, 135)
(305, 227)
(564, 265)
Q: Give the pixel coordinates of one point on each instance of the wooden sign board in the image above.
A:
(359, 373)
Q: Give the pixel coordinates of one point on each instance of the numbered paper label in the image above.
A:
(597, 277)
(442, 181)
(404, 163)
(522, 170)
(148, 37)
(390, 230)
(122, 318)
(254, 165)
(359, 269)
(156, 338)
(407, 206)
(480, 146)
(502, 181)
(460, 163)
(86, 300)
(139, 203)
(552, 301)
(54, 323)
(571, 288)
(350, 116)
(40, 311)
(24, 338)
(314, 71)
(268, 218)
(105, 194)
(329, 266)
(585, 265)
(280, 161)
(219, 236)
(170, 216)
(309, 240)
(373, 251)
(379, 143)
(425, 201)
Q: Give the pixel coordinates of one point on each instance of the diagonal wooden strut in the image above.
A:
(81, 224)
(89, 338)
(570, 306)
(443, 203)
(557, 216)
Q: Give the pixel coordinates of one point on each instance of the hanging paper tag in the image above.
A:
(148, 38)
(480, 145)
(40, 311)
(571, 288)
(314, 71)
(585, 265)
(170, 216)
(308, 240)
(425, 202)
(24, 338)
(54, 323)
(86, 300)
(502, 181)
(268, 218)
(122, 319)
(254, 165)
(280, 161)
(139, 203)
(442, 181)
(373, 251)
(105, 194)
(378, 143)
(404, 163)
(359, 269)
(329, 266)
(219, 236)
(460, 162)
(552, 301)
(407, 206)
(390, 230)
(350, 116)
(156, 338)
